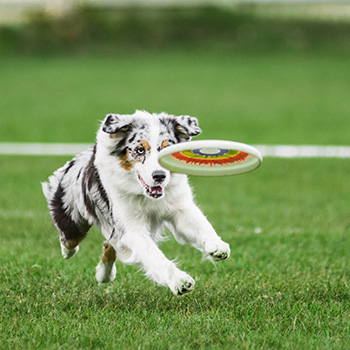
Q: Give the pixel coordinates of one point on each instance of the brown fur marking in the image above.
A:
(120, 132)
(125, 163)
(71, 243)
(146, 145)
(164, 144)
(109, 253)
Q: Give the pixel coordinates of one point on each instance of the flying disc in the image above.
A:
(210, 158)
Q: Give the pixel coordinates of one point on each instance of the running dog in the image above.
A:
(119, 186)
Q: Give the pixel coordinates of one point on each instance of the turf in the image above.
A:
(255, 98)
(286, 284)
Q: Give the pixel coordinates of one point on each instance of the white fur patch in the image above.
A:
(106, 272)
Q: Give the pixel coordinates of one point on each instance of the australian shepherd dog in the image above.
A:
(119, 186)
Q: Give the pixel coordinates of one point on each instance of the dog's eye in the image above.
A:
(140, 151)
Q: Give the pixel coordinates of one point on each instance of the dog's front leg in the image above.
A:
(189, 225)
(139, 249)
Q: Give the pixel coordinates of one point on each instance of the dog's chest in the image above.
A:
(154, 213)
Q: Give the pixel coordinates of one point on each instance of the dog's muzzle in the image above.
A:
(153, 191)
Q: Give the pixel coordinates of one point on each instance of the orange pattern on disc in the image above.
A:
(239, 157)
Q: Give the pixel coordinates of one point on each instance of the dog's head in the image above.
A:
(134, 141)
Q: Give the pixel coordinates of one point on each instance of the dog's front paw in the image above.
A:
(217, 250)
(181, 283)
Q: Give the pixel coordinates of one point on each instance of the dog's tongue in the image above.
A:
(156, 190)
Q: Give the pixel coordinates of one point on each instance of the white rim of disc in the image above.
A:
(238, 167)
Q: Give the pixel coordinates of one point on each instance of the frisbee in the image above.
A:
(210, 158)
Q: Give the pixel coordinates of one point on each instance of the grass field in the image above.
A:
(255, 98)
(286, 284)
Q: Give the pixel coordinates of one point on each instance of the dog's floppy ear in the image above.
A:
(186, 127)
(115, 123)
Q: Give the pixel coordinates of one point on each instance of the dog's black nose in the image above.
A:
(159, 176)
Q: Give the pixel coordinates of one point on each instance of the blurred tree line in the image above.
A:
(88, 29)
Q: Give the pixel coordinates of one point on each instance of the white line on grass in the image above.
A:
(43, 149)
(302, 151)
(279, 151)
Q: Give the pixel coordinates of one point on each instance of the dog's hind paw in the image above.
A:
(182, 285)
(68, 253)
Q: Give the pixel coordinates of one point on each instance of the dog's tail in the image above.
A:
(50, 187)
(47, 190)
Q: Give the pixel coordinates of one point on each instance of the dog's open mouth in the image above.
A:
(154, 192)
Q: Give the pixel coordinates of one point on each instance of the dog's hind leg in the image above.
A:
(71, 237)
(72, 227)
(106, 270)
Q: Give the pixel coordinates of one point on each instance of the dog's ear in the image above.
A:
(115, 123)
(186, 127)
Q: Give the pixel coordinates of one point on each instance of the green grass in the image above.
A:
(254, 98)
(286, 284)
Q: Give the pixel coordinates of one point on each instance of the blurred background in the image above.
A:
(277, 70)
(57, 26)
(254, 71)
